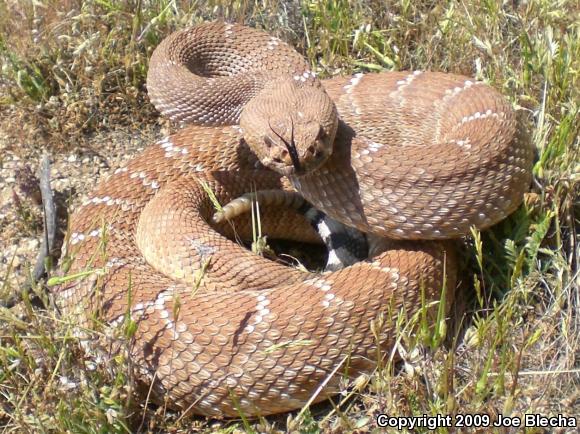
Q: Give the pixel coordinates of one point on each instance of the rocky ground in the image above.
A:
(73, 175)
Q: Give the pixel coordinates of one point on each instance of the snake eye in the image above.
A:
(268, 142)
(321, 134)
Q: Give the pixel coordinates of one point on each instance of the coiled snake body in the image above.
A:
(414, 156)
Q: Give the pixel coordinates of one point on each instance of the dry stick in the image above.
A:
(49, 233)
(49, 219)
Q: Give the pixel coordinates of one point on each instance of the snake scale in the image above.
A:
(410, 158)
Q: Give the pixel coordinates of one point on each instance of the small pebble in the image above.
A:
(16, 262)
(33, 244)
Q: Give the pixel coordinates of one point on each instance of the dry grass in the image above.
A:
(71, 67)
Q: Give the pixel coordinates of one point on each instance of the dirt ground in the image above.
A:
(73, 175)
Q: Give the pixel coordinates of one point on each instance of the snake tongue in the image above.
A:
(294, 157)
(290, 147)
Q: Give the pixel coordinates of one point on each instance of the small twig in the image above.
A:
(49, 219)
(49, 233)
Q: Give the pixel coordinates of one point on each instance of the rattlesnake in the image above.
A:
(412, 156)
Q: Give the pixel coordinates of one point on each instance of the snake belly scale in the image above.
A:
(415, 157)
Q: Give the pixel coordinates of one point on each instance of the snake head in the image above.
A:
(290, 128)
